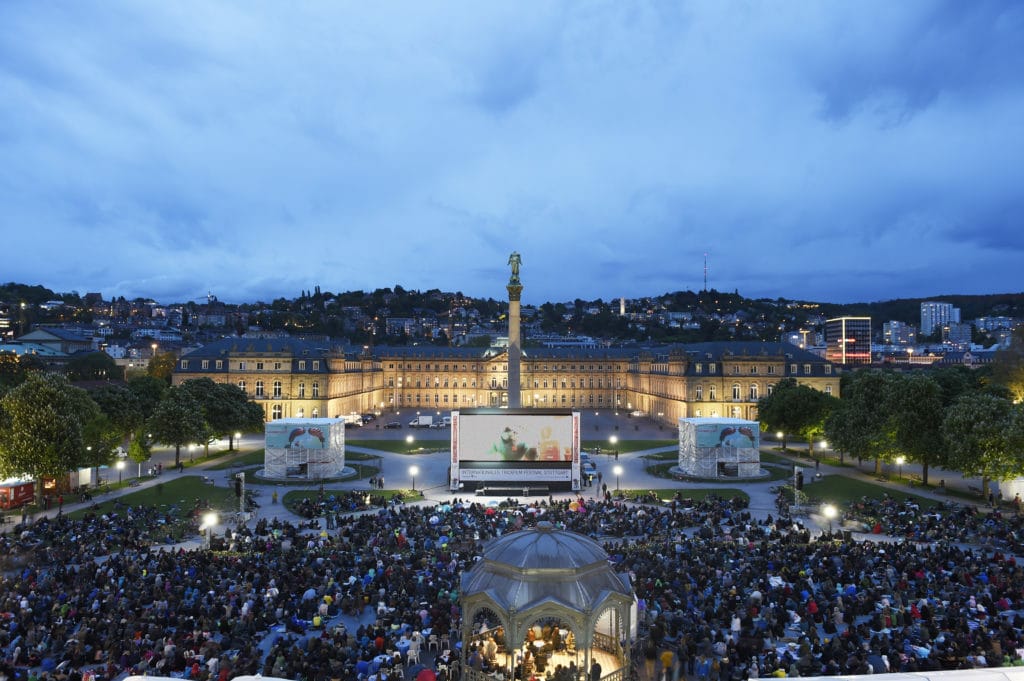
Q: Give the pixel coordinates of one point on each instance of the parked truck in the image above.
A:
(422, 422)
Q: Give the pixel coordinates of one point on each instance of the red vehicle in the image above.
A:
(15, 494)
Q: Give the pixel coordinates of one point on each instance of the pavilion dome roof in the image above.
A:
(527, 568)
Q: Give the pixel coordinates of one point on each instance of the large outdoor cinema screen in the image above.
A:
(506, 445)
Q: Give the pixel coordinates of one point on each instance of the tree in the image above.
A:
(178, 420)
(917, 411)
(12, 371)
(149, 391)
(162, 366)
(797, 409)
(984, 434)
(122, 408)
(226, 409)
(234, 412)
(861, 423)
(93, 366)
(47, 424)
(1008, 367)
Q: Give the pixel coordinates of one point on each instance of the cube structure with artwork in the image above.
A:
(304, 449)
(714, 447)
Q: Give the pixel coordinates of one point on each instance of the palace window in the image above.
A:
(184, 364)
(277, 388)
(302, 391)
(259, 388)
(735, 391)
(753, 391)
(700, 392)
(316, 389)
(241, 386)
(259, 366)
(206, 364)
(275, 412)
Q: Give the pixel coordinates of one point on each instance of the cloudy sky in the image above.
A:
(834, 151)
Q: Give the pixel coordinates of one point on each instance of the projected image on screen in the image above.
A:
(513, 437)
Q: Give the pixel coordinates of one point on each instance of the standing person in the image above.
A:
(595, 671)
(667, 662)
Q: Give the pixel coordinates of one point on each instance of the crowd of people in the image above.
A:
(721, 594)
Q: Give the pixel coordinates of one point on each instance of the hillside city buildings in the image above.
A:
(452, 345)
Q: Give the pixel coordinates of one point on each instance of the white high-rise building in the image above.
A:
(935, 314)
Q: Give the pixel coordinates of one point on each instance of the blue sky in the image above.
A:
(832, 151)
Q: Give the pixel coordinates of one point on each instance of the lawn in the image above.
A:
(179, 496)
(252, 458)
(417, 446)
(696, 494)
(182, 491)
(626, 445)
(292, 499)
(838, 489)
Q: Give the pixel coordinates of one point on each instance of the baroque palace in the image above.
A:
(294, 379)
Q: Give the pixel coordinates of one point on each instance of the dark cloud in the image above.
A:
(814, 150)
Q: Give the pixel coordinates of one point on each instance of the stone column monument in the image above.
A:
(515, 290)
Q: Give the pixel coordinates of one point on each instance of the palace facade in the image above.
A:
(293, 378)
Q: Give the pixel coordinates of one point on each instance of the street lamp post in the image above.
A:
(120, 469)
(780, 436)
(618, 472)
(614, 441)
(830, 512)
(209, 520)
(413, 470)
(900, 460)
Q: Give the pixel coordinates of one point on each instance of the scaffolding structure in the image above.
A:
(304, 449)
(719, 448)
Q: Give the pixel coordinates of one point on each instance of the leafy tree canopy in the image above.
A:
(47, 426)
(93, 366)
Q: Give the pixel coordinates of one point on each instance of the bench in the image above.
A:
(512, 491)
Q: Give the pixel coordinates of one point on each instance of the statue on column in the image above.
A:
(514, 261)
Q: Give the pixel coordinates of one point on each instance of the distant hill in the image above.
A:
(909, 309)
